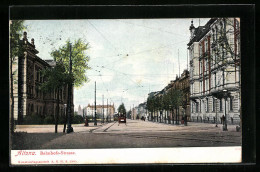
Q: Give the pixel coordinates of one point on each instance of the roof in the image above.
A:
(51, 62)
(201, 31)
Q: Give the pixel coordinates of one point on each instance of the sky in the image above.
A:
(128, 57)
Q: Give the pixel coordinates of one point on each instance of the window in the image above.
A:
(207, 84)
(207, 105)
(197, 107)
(206, 62)
(220, 105)
(206, 46)
(213, 105)
(200, 49)
(200, 105)
(215, 77)
(213, 34)
(216, 35)
(200, 86)
(223, 76)
(231, 104)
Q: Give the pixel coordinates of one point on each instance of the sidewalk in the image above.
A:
(191, 127)
(51, 128)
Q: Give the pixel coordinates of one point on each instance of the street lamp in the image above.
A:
(69, 128)
(225, 117)
(64, 128)
(95, 119)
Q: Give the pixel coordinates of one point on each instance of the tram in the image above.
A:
(121, 118)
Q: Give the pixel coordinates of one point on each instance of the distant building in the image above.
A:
(80, 111)
(141, 110)
(215, 71)
(108, 110)
(29, 99)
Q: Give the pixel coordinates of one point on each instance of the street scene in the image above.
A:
(125, 83)
(135, 134)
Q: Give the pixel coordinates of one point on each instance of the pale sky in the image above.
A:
(128, 57)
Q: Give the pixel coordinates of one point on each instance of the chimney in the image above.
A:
(25, 37)
(32, 42)
(192, 30)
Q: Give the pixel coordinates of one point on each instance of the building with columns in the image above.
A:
(28, 98)
(214, 51)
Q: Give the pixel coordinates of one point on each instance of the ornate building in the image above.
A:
(215, 71)
(29, 99)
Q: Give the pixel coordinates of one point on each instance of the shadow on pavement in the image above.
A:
(23, 140)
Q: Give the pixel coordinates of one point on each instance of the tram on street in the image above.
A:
(121, 118)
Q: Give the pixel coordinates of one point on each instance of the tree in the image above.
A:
(121, 109)
(175, 98)
(55, 80)
(158, 105)
(79, 66)
(165, 103)
(151, 105)
(79, 60)
(16, 28)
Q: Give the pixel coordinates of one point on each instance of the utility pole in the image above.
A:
(95, 120)
(103, 108)
(107, 110)
(133, 112)
(69, 128)
(179, 63)
(130, 112)
(110, 111)
(92, 111)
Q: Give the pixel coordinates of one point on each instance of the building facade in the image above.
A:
(29, 99)
(107, 110)
(181, 83)
(214, 51)
(141, 111)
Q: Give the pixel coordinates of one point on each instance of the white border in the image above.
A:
(230, 154)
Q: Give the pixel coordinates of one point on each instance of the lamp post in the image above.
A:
(65, 116)
(69, 128)
(225, 117)
(95, 119)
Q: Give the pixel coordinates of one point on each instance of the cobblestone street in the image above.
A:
(135, 134)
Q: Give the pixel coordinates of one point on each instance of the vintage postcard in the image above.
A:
(125, 91)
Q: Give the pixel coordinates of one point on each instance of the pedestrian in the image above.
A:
(86, 121)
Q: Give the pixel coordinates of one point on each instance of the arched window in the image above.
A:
(220, 105)
(231, 104)
(40, 111)
(32, 109)
(28, 109)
